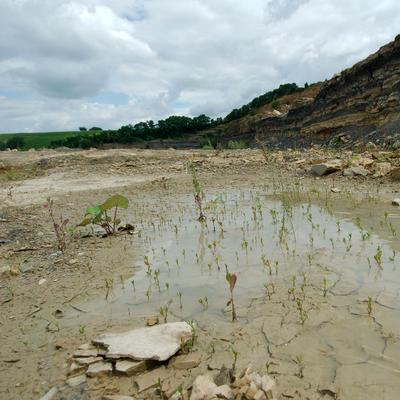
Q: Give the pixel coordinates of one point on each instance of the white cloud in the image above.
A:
(171, 56)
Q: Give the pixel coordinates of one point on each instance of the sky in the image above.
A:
(71, 63)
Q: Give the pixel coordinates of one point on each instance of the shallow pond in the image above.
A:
(318, 279)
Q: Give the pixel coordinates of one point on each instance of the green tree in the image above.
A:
(15, 142)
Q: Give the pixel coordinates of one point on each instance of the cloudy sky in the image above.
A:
(71, 63)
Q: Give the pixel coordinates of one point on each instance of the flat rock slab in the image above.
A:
(117, 397)
(159, 342)
(99, 369)
(130, 367)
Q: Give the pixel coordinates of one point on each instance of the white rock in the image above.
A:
(159, 342)
(42, 281)
(203, 388)
(396, 202)
(117, 397)
(335, 190)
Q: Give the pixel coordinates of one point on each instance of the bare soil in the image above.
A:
(35, 341)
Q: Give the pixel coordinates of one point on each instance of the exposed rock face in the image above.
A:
(361, 104)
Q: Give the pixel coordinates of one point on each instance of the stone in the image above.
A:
(381, 169)
(269, 387)
(26, 267)
(117, 397)
(76, 380)
(224, 392)
(159, 342)
(355, 171)
(75, 368)
(42, 281)
(185, 361)
(50, 394)
(99, 369)
(151, 321)
(396, 202)
(86, 346)
(88, 360)
(203, 388)
(150, 379)
(130, 367)
(7, 272)
(85, 353)
(395, 174)
(335, 190)
(326, 168)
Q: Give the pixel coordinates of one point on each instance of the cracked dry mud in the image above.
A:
(304, 258)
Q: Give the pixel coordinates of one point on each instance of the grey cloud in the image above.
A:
(173, 56)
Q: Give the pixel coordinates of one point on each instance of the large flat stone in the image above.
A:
(159, 342)
(99, 369)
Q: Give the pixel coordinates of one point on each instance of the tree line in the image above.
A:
(173, 127)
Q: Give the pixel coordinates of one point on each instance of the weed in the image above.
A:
(60, 228)
(98, 215)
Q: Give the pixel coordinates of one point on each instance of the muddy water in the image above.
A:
(317, 293)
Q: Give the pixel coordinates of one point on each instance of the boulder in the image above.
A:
(159, 342)
(327, 167)
(396, 202)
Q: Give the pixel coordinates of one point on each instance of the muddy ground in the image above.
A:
(41, 288)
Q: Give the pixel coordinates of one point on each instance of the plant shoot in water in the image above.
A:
(198, 195)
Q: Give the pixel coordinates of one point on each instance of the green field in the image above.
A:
(40, 139)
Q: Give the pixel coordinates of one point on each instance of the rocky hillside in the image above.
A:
(357, 106)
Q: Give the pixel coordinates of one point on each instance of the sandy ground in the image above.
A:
(35, 344)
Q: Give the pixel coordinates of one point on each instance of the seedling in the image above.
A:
(180, 300)
(378, 256)
(235, 357)
(198, 195)
(369, 306)
(98, 215)
(204, 302)
(187, 346)
(59, 227)
(231, 279)
(164, 311)
(325, 286)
